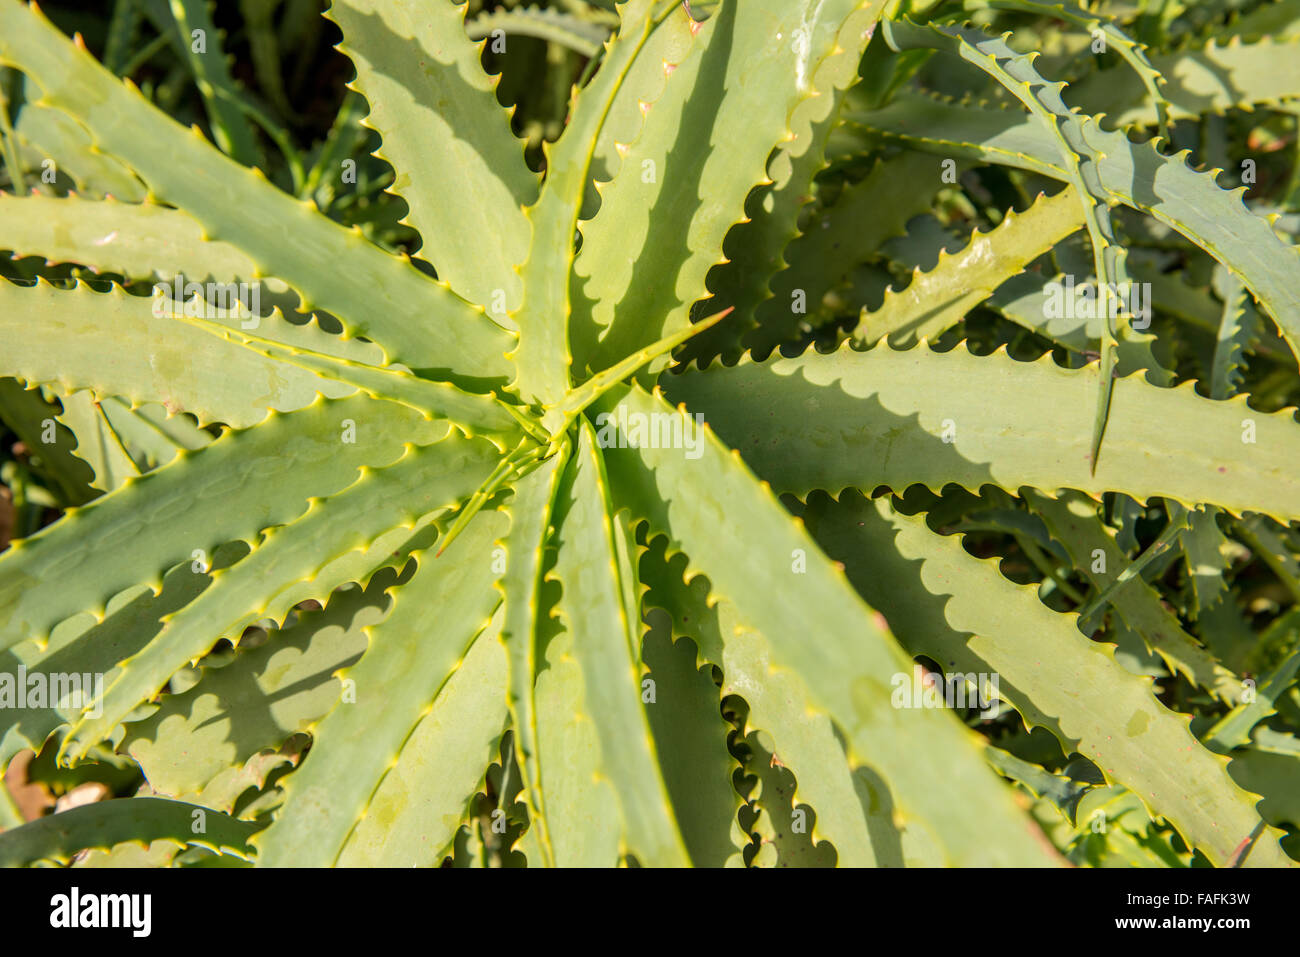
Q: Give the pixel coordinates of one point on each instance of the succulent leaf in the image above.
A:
(379, 297)
(429, 99)
(105, 824)
(398, 683)
(855, 696)
(876, 428)
(1043, 659)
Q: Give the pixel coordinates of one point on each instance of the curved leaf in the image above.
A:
(306, 558)
(229, 490)
(434, 620)
(594, 568)
(378, 296)
(849, 669)
(882, 417)
(105, 824)
(961, 612)
(1138, 175)
(662, 221)
(441, 124)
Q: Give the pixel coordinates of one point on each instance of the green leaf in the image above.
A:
(1072, 520)
(666, 48)
(448, 138)
(543, 355)
(1079, 158)
(782, 829)
(264, 51)
(520, 585)
(1279, 19)
(584, 37)
(116, 344)
(100, 446)
(962, 613)
(1061, 791)
(472, 412)
(58, 137)
(267, 693)
(935, 300)
(105, 824)
(1275, 775)
(1282, 639)
(1137, 175)
(1206, 549)
(690, 737)
(647, 252)
(87, 647)
(1212, 79)
(418, 320)
(230, 127)
(781, 705)
(1009, 423)
(1138, 66)
(156, 342)
(848, 670)
(594, 568)
(434, 621)
(138, 240)
(865, 215)
(756, 249)
(306, 558)
(29, 415)
(149, 435)
(558, 417)
(232, 489)
(418, 807)
(1239, 329)
(582, 810)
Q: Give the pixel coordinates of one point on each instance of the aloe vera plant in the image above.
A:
(612, 526)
